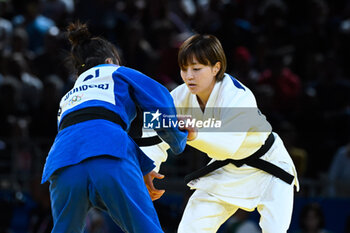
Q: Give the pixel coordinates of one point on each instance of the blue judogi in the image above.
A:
(95, 162)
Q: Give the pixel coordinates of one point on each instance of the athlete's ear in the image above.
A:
(109, 61)
(217, 67)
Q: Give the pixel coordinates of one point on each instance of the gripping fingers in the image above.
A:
(153, 192)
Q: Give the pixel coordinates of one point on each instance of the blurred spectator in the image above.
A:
(208, 19)
(35, 23)
(137, 50)
(6, 203)
(6, 28)
(329, 84)
(162, 28)
(273, 31)
(103, 16)
(182, 13)
(315, 35)
(299, 155)
(312, 219)
(243, 67)
(56, 10)
(6, 163)
(10, 106)
(167, 71)
(95, 222)
(339, 173)
(19, 44)
(154, 11)
(31, 86)
(265, 98)
(286, 85)
(40, 216)
(44, 118)
(240, 223)
(50, 61)
(21, 209)
(324, 111)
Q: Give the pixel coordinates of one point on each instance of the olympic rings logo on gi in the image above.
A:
(75, 99)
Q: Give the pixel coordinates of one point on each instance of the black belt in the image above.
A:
(254, 161)
(147, 141)
(93, 113)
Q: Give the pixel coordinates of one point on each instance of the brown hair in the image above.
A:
(206, 49)
(88, 51)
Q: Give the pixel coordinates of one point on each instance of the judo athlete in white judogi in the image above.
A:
(267, 183)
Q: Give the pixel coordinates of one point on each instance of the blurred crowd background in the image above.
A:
(294, 55)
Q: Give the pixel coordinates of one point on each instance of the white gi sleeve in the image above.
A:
(158, 153)
(221, 143)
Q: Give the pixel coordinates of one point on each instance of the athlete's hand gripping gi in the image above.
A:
(148, 178)
(153, 192)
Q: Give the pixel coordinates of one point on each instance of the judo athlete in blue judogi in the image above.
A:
(93, 162)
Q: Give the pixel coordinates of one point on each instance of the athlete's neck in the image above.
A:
(201, 103)
(203, 97)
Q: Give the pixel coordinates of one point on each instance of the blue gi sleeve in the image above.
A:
(152, 96)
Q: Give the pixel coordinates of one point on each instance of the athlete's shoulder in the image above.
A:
(127, 71)
(234, 82)
(236, 93)
(132, 74)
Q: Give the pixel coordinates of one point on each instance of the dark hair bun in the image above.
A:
(78, 33)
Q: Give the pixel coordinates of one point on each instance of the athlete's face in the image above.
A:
(200, 79)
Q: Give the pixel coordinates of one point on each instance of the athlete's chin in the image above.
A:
(193, 89)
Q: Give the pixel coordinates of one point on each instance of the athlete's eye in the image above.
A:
(196, 69)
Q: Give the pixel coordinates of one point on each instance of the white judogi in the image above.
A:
(244, 130)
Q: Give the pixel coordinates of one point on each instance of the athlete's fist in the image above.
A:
(153, 192)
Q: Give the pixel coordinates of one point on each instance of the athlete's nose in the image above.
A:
(189, 75)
